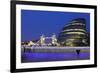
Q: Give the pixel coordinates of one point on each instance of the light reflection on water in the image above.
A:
(42, 57)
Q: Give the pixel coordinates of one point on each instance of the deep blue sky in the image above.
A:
(35, 23)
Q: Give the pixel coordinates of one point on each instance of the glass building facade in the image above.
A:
(74, 34)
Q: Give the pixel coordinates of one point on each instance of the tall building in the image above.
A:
(74, 33)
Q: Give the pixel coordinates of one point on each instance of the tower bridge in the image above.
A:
(45, 41)
(51, 40)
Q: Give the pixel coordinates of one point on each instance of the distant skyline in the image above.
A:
(34, 23)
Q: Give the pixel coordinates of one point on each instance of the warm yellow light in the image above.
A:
(75, 24)
(74, 33)
(74, 30)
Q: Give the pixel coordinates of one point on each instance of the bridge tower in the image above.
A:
(42, 40)
(54, 39)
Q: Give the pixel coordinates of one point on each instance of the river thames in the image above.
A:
(55, 54)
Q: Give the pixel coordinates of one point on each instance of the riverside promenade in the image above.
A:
(55, 49)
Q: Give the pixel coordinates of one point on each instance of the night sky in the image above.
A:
(35, 23)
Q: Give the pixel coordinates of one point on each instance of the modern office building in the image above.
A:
(74, 34)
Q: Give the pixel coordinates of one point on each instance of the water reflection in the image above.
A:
(43, 57)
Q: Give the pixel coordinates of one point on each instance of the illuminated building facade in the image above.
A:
(74, 34)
